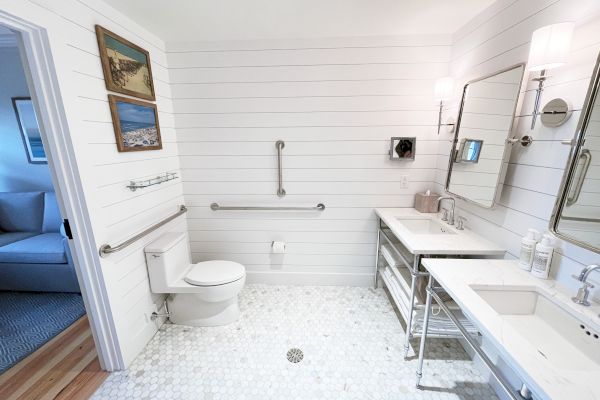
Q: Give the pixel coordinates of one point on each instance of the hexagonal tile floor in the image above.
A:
(350, 339)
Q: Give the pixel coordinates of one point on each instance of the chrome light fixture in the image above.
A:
(549, 49)
(443, 92)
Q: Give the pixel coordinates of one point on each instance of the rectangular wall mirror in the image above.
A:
(576, 216)
(480, 152)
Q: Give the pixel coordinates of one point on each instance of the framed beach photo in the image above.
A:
(126, 66)
(30, 130)
(135, 123)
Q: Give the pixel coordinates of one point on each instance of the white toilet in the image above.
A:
(202, 294)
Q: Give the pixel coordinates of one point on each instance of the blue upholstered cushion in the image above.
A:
(47, 248)
(21, 212)
(52, 217)
(11, 237)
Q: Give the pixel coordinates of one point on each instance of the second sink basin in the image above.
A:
(425, 226)
(559, 337)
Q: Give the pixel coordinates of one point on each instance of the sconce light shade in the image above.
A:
(443, 89)
(550, 46)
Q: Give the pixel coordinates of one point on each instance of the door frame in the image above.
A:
(43, 81)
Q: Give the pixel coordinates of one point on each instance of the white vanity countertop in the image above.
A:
(464, 242)
(544, 378)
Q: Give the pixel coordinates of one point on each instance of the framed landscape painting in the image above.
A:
(126, 66)
(135, 123)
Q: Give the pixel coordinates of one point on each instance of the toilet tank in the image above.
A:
(167, 259)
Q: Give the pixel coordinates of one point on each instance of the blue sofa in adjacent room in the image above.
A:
(34, 253)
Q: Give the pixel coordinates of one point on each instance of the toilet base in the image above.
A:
(190, 309)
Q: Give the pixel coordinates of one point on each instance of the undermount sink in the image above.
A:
(425, 226)
(558, 336)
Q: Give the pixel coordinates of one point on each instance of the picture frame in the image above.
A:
(403, 148)
(126, 66)
(135, 123)
(30, 130)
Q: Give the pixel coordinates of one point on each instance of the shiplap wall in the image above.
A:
(336, 103)
(116, 213)
(498, 38)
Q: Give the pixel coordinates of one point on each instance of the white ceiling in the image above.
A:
(198, 20)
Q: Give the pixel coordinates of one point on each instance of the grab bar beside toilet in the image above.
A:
(107, 249)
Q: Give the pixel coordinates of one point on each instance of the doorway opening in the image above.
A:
(46, 340)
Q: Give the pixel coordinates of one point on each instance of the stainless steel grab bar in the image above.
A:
(216, 207)
(107, 249)
(280, 144)
(587, 156)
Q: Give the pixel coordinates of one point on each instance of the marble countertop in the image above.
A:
(543, 377)
(464, 242)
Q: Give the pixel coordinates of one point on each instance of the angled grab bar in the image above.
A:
(217, 207)
(107, 249)
(280, 144)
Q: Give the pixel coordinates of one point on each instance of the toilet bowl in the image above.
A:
(201, 294)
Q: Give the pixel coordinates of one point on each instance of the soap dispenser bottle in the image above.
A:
(542, 258)
(528, 249)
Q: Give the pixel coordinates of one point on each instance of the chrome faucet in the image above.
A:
(584, 290)
(451, 212)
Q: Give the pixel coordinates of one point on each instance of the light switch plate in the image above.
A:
(403, 181)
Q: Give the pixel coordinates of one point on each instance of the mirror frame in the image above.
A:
(507, 146)
(571, 167)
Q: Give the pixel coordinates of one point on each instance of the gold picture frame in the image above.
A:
(135, 124)
(126, 66)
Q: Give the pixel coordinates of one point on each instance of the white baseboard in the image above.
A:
(310, 279)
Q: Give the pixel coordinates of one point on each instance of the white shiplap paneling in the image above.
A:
(336, 103)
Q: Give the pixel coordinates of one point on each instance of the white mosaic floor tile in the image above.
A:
(351, 341)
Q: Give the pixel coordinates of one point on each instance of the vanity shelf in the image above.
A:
(397, 280)
(405, 237)
(166, 177)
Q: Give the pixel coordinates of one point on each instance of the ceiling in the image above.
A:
(199, 20)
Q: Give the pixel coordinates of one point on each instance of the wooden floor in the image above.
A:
(66, 367)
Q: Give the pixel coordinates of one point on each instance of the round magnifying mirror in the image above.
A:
(555, 113)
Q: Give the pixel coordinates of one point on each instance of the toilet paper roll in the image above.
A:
(278, 247)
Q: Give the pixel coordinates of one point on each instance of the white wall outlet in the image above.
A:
(404, 182)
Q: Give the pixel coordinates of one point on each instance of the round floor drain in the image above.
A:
(295, 355)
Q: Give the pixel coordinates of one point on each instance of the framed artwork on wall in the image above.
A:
(126, 66)
(30, 130)
(135, 123)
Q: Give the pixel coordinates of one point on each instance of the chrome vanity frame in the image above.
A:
(415, 273)
(433, 294)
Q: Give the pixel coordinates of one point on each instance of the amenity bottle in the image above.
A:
(528, 249)
(542, 258)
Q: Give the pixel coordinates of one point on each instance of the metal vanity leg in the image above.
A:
(411, 303)
(377, 253)
(424, 333)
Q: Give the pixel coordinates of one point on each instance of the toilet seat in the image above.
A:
(214, 273)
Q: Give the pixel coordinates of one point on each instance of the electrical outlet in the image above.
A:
(404, 182)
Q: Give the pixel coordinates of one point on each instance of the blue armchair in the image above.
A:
(34, 252)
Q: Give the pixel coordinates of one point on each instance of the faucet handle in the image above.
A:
(445, 214)
(461, 222)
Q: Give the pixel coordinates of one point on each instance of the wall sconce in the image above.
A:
(443, 92)
(549, 49)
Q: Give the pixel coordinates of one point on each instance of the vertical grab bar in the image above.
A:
(573, 197)
(280, 144)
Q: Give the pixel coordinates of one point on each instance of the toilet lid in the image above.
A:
(212, 273)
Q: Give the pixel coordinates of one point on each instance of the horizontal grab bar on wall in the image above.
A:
(216, 207)
(107, 249)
